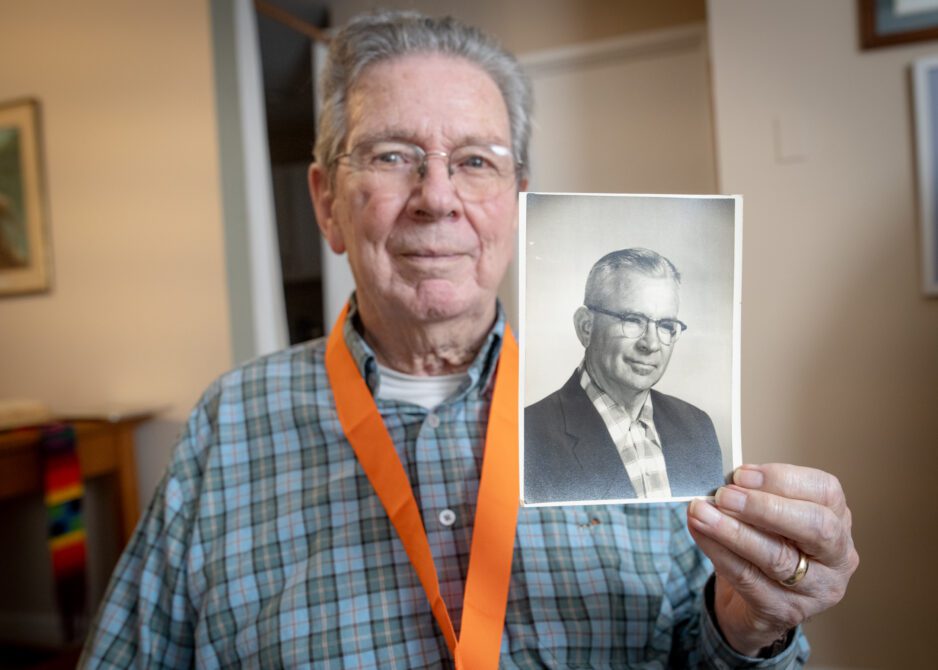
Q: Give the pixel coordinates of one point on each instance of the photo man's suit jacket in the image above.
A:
(569, 455)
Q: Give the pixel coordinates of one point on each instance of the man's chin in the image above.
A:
(641, 382)
(442, 300)
(447, 311)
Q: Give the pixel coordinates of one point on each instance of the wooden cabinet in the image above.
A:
(105, 448)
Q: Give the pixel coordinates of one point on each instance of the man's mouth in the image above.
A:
(432, 255)
(641, 367)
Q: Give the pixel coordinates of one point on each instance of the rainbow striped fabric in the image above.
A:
(63, 490)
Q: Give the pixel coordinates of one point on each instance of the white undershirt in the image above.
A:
(427, 391)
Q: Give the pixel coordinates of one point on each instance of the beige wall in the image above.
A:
(840, 350)
(138, 309)
(137, 313)
(530, 25)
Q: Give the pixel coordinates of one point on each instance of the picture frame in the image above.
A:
(25, 258)
(925, 98)
(885, 23)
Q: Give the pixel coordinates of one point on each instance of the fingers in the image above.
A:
(742, 574)
(816, 529)
(773, 556)
(805, 505)
(754, 532)
(795, 482)
(756, 610)
(754, 562)
(813, 527)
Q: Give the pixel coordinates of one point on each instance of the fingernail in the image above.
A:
(731, 499)
(704, 512)
(749, 477)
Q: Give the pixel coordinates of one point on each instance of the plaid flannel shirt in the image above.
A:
(265, 546)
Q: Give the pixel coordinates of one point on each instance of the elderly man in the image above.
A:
(606, 434)
(342, 504)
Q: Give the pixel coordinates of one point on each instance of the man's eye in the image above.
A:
(633, 320)
(389, 158)
(386, 156)
(670, 327)
(475, 163)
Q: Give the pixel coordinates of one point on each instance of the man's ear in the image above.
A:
(321, 192)
(583, 324)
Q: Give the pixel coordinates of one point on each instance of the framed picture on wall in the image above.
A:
(925, 85)
(24, 248)
(886, 23)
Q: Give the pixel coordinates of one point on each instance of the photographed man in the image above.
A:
(334, 505)
(606, 434)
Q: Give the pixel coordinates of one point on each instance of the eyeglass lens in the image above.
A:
(635, 325)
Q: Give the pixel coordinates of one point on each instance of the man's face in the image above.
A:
(421, 253)
(625, 367)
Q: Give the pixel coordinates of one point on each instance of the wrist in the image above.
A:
(758, 645)
(748, 638)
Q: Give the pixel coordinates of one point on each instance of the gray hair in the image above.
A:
(380, 36)
(644, 261)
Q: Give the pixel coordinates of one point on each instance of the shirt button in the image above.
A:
(433, 420)
(447, 518)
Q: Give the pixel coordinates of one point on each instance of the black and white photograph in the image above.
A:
(629, 338)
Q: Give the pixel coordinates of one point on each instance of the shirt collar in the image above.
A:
(598, 395)
(481, 372)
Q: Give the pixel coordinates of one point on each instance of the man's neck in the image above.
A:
(634, 404)
(426, 347)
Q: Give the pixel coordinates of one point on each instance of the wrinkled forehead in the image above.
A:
(427, 96)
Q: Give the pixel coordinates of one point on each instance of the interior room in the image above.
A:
(173, 143)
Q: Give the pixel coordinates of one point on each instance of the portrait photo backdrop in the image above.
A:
(562, 235)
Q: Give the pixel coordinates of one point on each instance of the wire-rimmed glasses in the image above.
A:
(478, 171)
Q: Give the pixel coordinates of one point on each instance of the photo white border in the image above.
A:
(736, 423)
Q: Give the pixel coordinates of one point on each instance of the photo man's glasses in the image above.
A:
(633, 325)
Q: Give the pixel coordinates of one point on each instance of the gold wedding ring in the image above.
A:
(800, 571)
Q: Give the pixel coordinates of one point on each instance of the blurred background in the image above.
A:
(175, 138)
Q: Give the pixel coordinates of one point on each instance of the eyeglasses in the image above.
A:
(478, 171)
(634, 324)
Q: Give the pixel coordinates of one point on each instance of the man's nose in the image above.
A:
(649, 341)
(434, 195)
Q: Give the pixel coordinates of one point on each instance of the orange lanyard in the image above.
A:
(493, 534)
